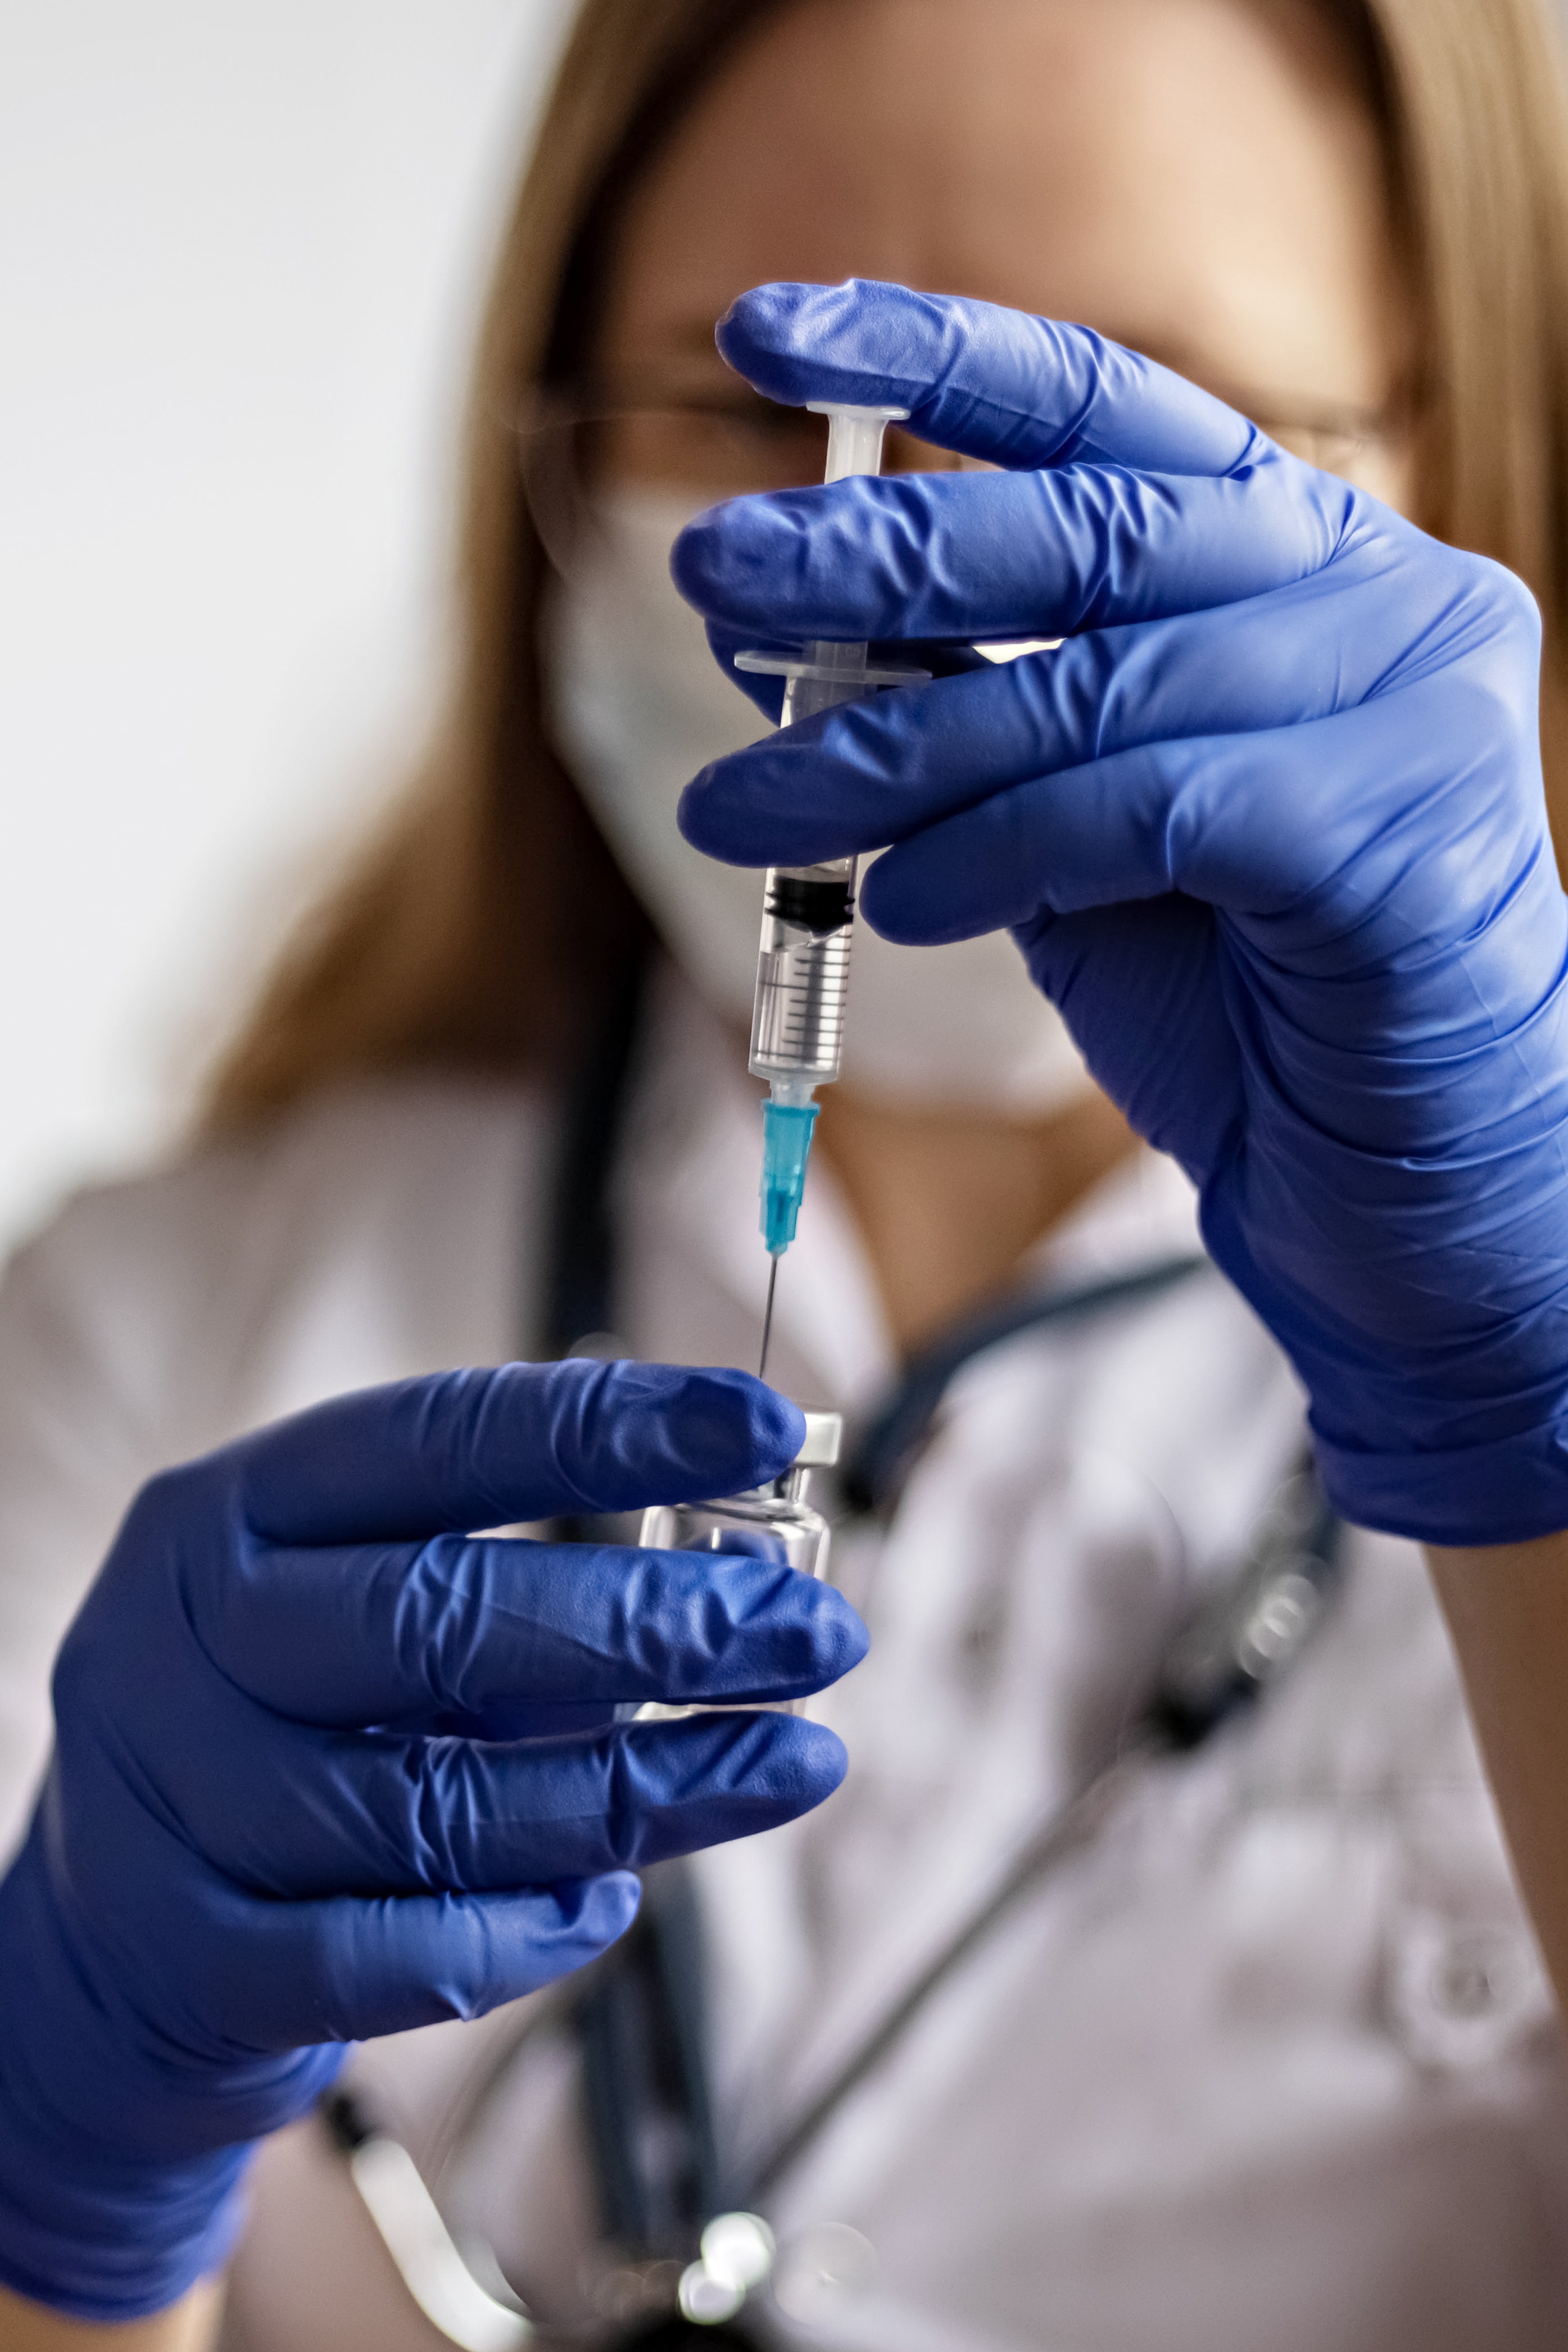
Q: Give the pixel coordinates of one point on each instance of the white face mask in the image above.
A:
(640, 705)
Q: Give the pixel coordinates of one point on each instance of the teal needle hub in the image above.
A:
(786, 1145)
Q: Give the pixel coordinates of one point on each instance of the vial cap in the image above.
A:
(824, 1435)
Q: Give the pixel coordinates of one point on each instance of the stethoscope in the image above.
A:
(692, 2254)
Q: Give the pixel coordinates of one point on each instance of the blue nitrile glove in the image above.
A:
(1270, 830)
(254, 1846)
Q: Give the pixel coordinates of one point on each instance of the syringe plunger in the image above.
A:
(854, 437)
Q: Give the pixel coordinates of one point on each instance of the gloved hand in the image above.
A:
(1270, 830)
(269, 1828)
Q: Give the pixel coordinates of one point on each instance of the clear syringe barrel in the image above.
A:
(802, 974)
(808, 912)
(808, 916)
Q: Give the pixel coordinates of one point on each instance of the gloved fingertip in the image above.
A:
(822, 1761)
(778, 1428)
(805, 1761)
(730, 1419)
(777, 1766)
(840, 1632)
(793, 340)
(758, 321)
(705, 817)
(725, 564)
(692, 558)
(742, 1773)
(600, 1909)
(885, 904)
(766, 693)
(861, 340)
(690, 810)
(684, 1431)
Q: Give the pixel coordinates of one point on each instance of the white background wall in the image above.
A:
(242, 247)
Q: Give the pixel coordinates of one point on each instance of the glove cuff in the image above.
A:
(89, 2225)
(108, 2248)
(1439, 1412)
(1509, 1491)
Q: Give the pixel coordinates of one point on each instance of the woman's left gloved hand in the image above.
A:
(327, 1766)
(1270, 830)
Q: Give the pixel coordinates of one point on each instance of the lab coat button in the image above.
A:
(1462, 1995)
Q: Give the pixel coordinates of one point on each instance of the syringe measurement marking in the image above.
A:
(799, 1008)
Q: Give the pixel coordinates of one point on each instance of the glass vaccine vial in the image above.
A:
(774, 1522)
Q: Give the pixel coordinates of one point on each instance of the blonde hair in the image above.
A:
(484, 925)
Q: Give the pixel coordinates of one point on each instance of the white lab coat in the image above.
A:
(1272, 2068)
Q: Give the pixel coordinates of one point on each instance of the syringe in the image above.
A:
(808, 912)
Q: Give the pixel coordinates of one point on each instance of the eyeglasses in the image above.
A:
(726, 438)
(1335, 435)
(709, 442)
(705, 443)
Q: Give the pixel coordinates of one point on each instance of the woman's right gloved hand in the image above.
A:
(273, 1822)
(1268, 829)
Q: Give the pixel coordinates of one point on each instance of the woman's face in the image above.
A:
(1195, 178)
